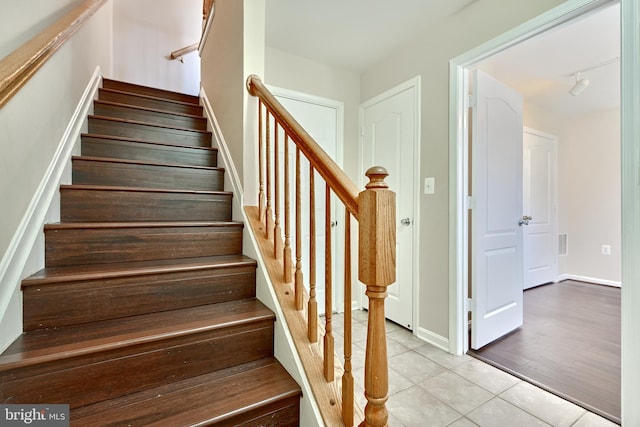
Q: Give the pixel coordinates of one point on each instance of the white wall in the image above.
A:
(32, 130)
(429, 57)
(589, 204)
(146, 32)
(589, 194)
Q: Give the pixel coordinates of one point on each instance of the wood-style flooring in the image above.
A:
(569, 345)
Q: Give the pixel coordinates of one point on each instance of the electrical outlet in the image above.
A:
(605, 249)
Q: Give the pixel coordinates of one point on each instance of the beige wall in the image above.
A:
(589, 194)
(293, 72)
(146, 32)
(32, 131)
(429, 57)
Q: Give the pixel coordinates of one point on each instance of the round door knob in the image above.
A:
(405, 221)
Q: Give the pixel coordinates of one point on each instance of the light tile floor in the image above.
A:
(430, 387)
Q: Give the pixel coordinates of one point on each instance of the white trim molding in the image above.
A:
(630, 117)
(432, 338)
(588, 279)
(17, 258)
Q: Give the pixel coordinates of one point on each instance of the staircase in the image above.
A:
(146, 312)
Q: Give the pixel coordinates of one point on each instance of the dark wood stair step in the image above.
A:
(93, 362)
(235, 396)
(150, 91)
(129, 98)
(101, 243)
(129, 173)
(56, 297)
(148, 115)
(88, 203)
(147, 151)
(152, 132)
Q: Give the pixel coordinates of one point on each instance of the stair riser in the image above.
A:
(115, 149)
(64, 246)
(79, 205)
(143, 90)
(149, 132)
(122, 112)
(94, 300)
(132, 99)
(75, 381)
(89, 172)
(284, 413)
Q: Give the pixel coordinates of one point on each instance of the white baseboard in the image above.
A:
(433, 339)
(589, 280)
(16, 262)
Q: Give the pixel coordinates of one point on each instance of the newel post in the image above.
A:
(377, 270)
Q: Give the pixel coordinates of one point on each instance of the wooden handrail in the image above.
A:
(341, 184)
(374, 209)
(20, 65)
(187, 49)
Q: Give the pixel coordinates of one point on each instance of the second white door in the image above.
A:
(390, 137)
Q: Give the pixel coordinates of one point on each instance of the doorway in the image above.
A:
(460, 77)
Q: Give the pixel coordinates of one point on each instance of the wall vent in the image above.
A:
(563, 248)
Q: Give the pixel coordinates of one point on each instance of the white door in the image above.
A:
(496, 173)
(539, 203)
(322, 119)
(390, 138)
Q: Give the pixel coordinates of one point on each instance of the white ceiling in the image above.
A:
(351, 34)
(356, 34)
(541, 67)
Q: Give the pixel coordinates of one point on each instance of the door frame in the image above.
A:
(458, 152)
(413, 83)
(337, 243)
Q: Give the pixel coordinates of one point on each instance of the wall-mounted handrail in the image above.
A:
(375, 210)
(342, 185)
(178, 54)
(20, 65)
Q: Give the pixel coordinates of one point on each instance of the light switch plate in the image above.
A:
(429, 185)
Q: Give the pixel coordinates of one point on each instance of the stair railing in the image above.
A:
(373, 208)
(20, 65)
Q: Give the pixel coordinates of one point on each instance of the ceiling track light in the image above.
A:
(580, 86)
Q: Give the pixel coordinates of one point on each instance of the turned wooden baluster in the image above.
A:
(329, 357)
(377, 270)
(299, 285)
(261, 196)
(347, 377)
(312, 305)
(287, 215)
(277, 230)
(269, 213)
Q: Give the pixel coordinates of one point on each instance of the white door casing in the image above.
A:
(390, 139)
(540, 203)
(496, 255)
(323, 119)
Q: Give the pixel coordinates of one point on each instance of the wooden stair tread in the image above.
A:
(48, 345)
(140, 189)
(52, 275)
(107, 225)
(145, 141)
(141, 89)
(156, 98)
(145, 163)
(148, 109)
(155, 125)
(195, 401)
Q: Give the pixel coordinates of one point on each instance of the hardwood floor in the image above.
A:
(569, 345)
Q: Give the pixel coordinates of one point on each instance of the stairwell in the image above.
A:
(145, 313)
